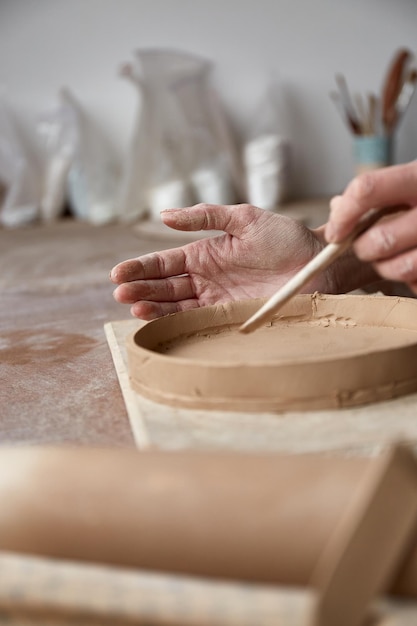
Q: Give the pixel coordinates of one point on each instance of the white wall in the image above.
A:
(299, 44)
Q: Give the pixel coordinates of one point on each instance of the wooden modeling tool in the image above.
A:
(317, 264)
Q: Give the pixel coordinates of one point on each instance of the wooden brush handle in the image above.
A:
(392, 88)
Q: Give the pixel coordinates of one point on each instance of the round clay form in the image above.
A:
(318, 352)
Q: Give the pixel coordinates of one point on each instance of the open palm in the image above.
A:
(257, 253)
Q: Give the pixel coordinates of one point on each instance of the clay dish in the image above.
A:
(318, 352)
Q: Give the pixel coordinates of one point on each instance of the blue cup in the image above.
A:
(372, 151)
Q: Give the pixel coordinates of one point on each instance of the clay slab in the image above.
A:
(319, 352)
(360, 430)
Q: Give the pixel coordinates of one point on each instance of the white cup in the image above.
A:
(169, 195)
(267, 165)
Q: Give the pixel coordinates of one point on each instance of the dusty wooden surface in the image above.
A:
(40, 592)
(58, 383)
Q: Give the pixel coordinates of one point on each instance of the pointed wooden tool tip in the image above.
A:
(254, 322)
(257, 320)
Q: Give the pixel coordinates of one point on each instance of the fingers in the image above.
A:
(232, 219)
(388, 238)
(151, 310)
(155, 265)
(384, 187)
(391, 246)
(164, 290)
(401, 268)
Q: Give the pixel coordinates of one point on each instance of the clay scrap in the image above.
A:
(261, 518)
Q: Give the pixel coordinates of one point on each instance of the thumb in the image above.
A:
(232, 219)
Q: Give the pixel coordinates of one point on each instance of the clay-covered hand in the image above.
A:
(391, 245)
(257, 253)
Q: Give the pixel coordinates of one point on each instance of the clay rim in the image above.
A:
(251, 306)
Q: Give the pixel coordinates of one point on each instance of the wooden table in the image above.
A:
(58, 380)
(59, 385)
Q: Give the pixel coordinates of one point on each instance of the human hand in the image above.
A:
(258, 252)
(391, 244)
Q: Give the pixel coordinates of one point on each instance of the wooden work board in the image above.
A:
(361, 430)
